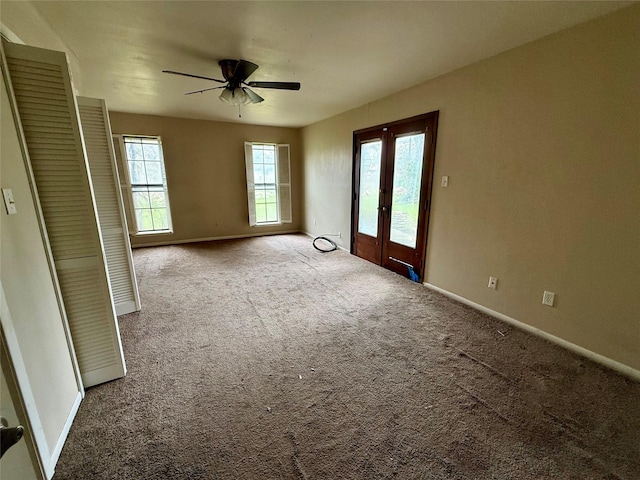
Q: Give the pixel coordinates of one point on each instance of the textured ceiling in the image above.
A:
(345, 54)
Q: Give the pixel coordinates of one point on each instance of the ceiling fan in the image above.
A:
(236, 91)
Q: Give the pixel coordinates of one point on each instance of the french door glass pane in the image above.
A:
(368, 197)
(407, 179)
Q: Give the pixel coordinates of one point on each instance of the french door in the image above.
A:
(392, 177)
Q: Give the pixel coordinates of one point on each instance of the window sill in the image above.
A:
(152, 232)
(270, 224)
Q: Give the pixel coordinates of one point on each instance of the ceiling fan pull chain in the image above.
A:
(239, 114)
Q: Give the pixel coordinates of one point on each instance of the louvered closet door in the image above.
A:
(106, 187)
(48, 113)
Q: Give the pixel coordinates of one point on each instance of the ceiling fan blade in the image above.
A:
(276, 85)
(205, 90)
(193, 76)
(253, 96)
(243, 70)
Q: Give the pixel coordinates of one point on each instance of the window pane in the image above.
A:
(157, 199)
(407, 180)
(271, 196)
(261, 213)
(144, 220)
(258, 154)
(148, 183)
(141, 200)
(265, 180)
(258, 173)
(269, 173)
(160, 219)
(270, 156)
(154, 173)
(368, 197)
(272, 212)
(134, 151)
(138, 173)
(151, 151)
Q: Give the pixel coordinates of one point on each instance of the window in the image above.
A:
(148, 184)
(268, 183)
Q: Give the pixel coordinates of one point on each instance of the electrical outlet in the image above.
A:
(493, 283)
(548, 298)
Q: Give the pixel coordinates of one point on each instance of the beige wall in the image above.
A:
(206, 174)
(541, 145)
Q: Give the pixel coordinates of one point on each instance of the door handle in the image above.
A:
(383, 208)
(9, 436)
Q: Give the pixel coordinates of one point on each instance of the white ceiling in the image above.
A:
(345, 54)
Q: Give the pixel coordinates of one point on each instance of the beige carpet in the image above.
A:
(265, 359)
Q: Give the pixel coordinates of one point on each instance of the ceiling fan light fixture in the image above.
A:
(235, 96)
(235, 73)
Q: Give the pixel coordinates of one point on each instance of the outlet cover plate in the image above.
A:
(493, 283)
(548, 298)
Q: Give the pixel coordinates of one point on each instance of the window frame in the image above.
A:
(131, 186)
(270, 186)
(282, 186)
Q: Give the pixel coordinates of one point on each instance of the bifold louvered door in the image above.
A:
(48, 114)
(106, 187)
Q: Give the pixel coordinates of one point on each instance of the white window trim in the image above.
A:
(283, 184)
(129, 204)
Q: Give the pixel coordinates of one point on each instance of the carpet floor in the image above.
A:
(264, 359)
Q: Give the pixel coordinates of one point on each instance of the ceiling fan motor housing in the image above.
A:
(228, 68)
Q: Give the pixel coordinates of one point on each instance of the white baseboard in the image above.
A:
(55, 454)
(326, 235)
(596, 357)
(210, 239)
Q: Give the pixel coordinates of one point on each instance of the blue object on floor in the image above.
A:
(413, 276)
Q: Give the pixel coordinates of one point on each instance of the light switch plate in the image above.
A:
(9, 204)
(445, 181)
